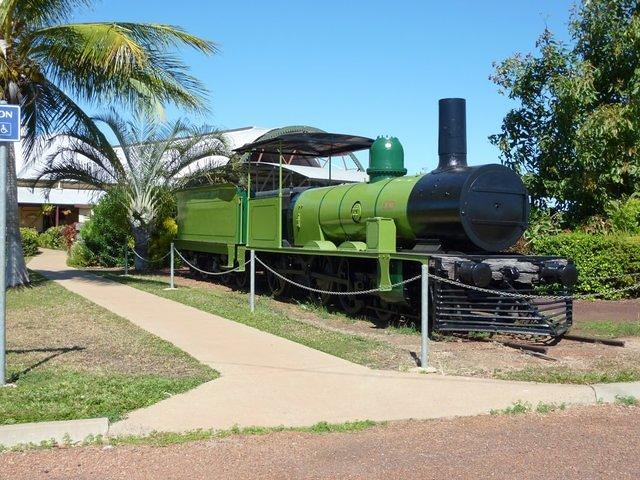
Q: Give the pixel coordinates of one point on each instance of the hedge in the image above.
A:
(615, 256)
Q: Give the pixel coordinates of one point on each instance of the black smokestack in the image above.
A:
(452, 133)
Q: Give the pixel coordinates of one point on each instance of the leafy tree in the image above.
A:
(575, 134)
(152, 159)
(47, 64)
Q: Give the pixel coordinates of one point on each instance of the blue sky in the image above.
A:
(361, 67)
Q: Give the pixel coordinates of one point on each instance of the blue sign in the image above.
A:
(9, 123)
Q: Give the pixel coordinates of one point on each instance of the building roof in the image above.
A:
(58, 196)
(29, 192)
(235, 137)
(71, 194)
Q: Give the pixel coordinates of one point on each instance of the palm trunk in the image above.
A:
(16, 268)
(141, 236)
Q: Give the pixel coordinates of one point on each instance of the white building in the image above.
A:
(70, 202)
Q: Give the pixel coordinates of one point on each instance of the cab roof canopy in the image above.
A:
(306, 154)
(306, 144)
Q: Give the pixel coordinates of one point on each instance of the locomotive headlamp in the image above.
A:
(556, 272)
(472, 273)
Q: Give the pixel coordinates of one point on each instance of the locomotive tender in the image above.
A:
(456, 219)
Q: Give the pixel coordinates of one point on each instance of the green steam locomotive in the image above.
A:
(374, 235)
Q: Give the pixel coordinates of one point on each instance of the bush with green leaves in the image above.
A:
(624, 215)
(103, 238)
(80, 256)
(52, 238)
(165, 229)
(615, 256)
(573, 131)
(29, 241)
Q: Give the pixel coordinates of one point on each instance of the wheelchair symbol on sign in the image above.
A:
(5, 129)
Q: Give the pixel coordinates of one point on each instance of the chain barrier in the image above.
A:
(531, 296)
(147, 259)
(113, 260)
(409, 280)
(452, 282)
(329, 292)
(612, 277)
(206, 272)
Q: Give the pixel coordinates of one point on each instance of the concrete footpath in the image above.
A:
(269, 381)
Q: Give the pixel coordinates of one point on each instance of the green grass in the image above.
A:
(515, 409)
(163, 439)
(627, 401)
(567, 375)
(521, 407)
(69, 358)
(403, 329)
(550, 407)
(160, 439)
(234, 306)
(57, 394)
(611, 329)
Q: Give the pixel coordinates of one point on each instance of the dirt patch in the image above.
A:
(580, 442)
(620, 310)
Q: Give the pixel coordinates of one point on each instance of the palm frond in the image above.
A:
(47, 110)
(69, 167)
(119, 62)
(33, 14)
(125, 135)
(200, 147)
(84, 150)
(156, 158)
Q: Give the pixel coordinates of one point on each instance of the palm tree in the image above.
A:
(152, 158)
(47, 64)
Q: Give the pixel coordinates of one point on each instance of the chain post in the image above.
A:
(424, 317)
(172, 260)
(252, 282)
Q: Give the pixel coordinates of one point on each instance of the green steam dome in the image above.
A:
(386, 159)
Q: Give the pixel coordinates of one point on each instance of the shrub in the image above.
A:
(52, 238)
(165, 230)
(29, 241)
(80, 256)
(104, 236)
(69, 233)
(624, 215)
(161, 241)
(596, 256)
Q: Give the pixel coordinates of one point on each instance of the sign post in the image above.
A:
(9, 132)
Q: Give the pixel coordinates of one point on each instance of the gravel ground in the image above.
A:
(627, 310)
(581, 442)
